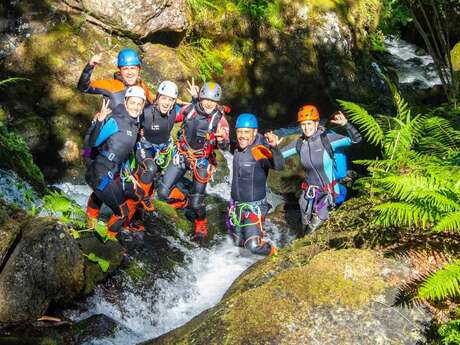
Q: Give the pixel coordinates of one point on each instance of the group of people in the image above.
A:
(131, 155)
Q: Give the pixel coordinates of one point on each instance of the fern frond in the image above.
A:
(367, 123)
(402, 213)
(450, 222)
(441, 130)
(442, 284)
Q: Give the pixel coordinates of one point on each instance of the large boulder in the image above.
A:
(335, 297)
(137, 19)
(41, 264)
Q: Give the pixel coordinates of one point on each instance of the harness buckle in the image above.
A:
(111, 156)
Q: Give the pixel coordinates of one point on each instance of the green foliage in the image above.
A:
(262, 11)
(200, 54)
(450, 332)
(197, 6)
(67, 210)
(15, 155)
(395, 14)
(417, 175)
(377, 44)
(103, 263)
(442, 284)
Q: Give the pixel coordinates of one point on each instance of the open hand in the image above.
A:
(104, 112)
(272, 138)
(339, 119)
(95, 59)
(192, 88)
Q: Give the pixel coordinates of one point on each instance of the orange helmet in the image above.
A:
(308, 112)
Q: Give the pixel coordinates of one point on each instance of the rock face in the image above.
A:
(45, 266)
(137, 19)
(40, 264)
(301, 297)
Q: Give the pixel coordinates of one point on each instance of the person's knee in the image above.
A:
(163, 191)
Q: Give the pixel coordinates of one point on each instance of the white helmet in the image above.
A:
(135, 91)
(168, 88)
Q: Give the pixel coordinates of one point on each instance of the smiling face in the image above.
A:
(134, 106)
(130, 74)
(309, 127)
(245, 136)
(165, 103)
(208, 105)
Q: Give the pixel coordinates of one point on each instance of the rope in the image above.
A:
(237, 220)
(193, 157)
(164, 156)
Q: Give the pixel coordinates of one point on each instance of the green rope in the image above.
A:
(237, 221)
(164, 158)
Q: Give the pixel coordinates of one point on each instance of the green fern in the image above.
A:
(443, 284)
(367, 123)
(450, 222)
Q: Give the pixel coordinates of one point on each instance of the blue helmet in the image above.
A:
(128, 57)
(247, 120)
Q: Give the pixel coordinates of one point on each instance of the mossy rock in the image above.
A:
(171, 215)
(333, 297)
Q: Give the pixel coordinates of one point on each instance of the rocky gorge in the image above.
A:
(335, 287)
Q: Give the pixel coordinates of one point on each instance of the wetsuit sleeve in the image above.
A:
(289, 150)
(103, 131)
(338, 140)
(277, 161)
(284, 132)
(98, 87)
(85, 78)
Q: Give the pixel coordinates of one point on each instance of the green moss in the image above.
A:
(48, 341)
(349, 278)
(15, 155)
(135, 271)
(172, 215)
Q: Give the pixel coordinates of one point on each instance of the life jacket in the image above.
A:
(157, 128)
(249, 176)
(338, 156)
(198, 128)
(119, 145)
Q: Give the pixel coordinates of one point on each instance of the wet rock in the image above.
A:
(45, 266)
(335, 297)
(42, 265)
(137, 19)
(94, 327)
(162, 63)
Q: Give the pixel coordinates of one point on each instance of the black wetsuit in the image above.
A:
(117, 137)
(249, 205)
(195, 151)
(155, 141)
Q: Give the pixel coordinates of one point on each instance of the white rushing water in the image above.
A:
(198, 285)
(412, 66)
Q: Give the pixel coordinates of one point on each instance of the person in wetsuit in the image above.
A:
(154, 148)
(116, 136)
(316, 148)
(113, 90)
(204, 128)
(253, 156)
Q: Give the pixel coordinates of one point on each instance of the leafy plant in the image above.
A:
(450, 332)
(200, 53)
(103, 263)
(65, 209)
(417, 175)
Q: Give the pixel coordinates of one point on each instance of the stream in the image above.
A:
(196, 285)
